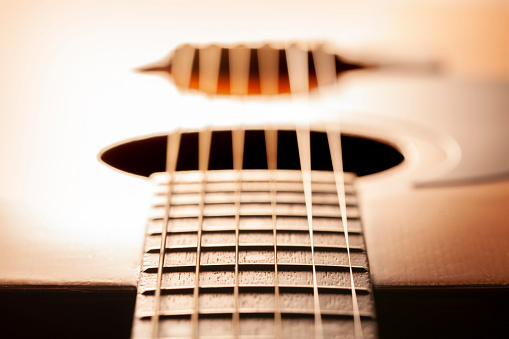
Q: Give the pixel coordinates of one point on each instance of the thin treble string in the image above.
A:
(239, 70)
(268, 62)
(238, 157)
(305, 164)
(271, 147)
(209, 63)
(298, 72)
(239, 58)
(172, 149)
(325, 66)
(337, 164)
(204, 141)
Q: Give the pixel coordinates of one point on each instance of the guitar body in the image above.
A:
(435, 226)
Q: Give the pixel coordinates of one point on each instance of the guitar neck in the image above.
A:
(240, 258)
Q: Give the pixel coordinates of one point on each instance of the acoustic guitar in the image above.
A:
(266, 235)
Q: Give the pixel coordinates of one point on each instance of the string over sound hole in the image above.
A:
(147, 155)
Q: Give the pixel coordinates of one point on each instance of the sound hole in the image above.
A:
(148, 155)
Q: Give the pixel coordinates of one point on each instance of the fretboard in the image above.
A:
(241, 260)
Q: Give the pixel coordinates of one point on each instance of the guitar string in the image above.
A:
(334, 139)
(271, 149)
(210, 58)
(204, 142)
(298, 73)
(325, 70)
(209, 61)
(239, 70)
(239, 58)
(268, 61)
(172, 149)
(305, 164)
(238, 157)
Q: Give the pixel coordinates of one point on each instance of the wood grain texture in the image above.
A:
(437, 236)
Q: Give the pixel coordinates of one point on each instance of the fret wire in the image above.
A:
(303, 142)
(334, 139)
(204, 142)
(238, 156)
(173, 144)
(271, 148)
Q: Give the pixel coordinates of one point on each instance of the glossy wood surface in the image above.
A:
(439, 236)
(68, 82)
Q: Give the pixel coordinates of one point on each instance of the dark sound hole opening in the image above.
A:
(146, 156)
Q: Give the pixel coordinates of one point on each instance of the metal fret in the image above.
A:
(295, 288)
(254, 209)
(325, 199)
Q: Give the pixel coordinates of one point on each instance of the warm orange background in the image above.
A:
(67, 90)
